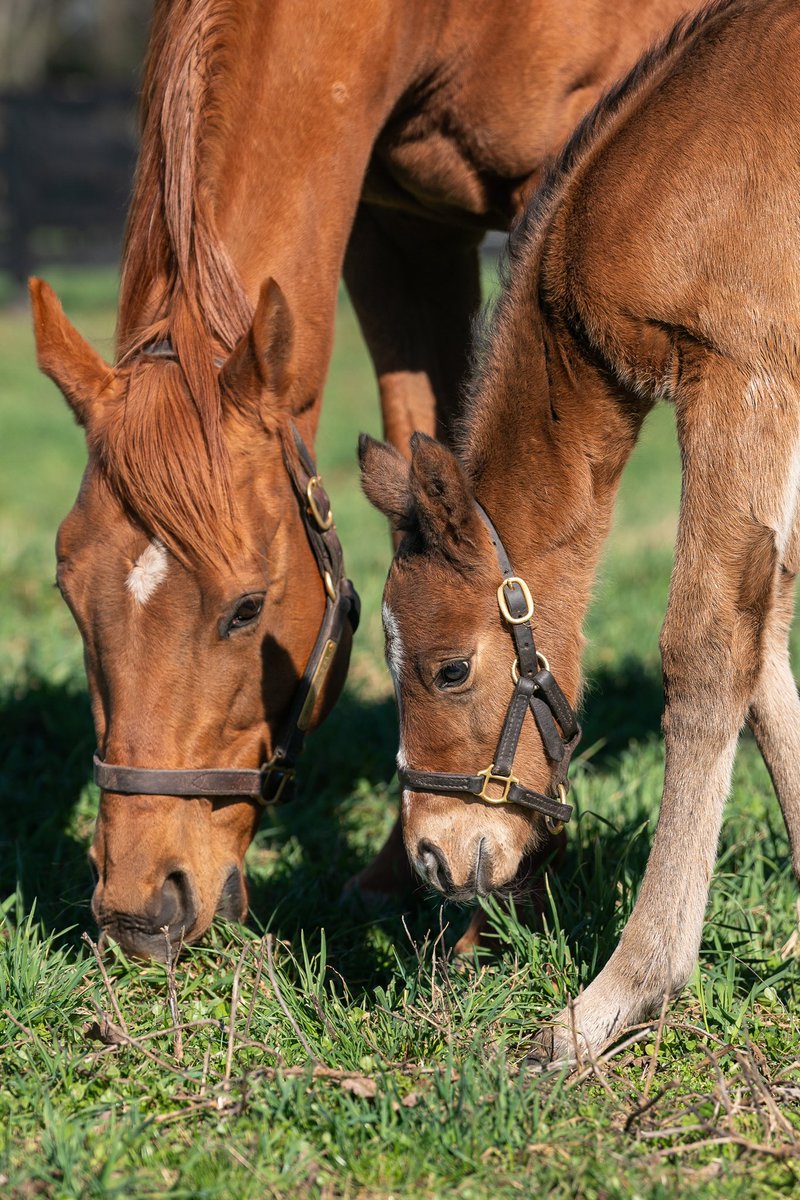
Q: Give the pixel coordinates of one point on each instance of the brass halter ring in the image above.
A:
(540, 658)
(552, 825)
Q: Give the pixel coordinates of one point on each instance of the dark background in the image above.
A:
(69, 73)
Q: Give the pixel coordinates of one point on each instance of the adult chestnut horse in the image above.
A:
(658, 260)
(271, 137)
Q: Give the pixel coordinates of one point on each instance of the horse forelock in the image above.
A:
(162, 448)
(154, 452)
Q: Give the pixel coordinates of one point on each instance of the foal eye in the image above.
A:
(452, 673)
(246, 612)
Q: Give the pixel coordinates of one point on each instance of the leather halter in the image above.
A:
(536, 689)
(273, 782)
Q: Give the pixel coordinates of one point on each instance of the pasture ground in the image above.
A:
(322, 1052)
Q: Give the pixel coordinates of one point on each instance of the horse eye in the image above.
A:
(452, 673)
(246, 612)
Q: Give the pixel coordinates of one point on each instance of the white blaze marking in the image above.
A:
(148, 571)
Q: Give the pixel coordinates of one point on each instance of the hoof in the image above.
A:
(549, 1051)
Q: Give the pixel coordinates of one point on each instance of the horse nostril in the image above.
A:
(433, 866)
(176, 909)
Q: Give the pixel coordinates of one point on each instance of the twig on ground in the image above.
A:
(641, 1032)
(105, 1031)
(204, 1076)
(651, 1070)
(237, 977)
(30, 1032)
(731, 1139)
(172, 993)
(108, 985)
(256, 984)
(323, 1016)
(647, 1104)
(762, 1094)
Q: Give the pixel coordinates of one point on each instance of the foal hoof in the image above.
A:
(550, 1050)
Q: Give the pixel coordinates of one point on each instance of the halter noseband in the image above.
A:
(273, 782)
(536, 689)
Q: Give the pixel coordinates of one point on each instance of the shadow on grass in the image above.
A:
(47, 743)
(311, 846)
(305, 852)
(621, 705)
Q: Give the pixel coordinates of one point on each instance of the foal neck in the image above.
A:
(550, 434)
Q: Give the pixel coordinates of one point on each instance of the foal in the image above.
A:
(658, 260)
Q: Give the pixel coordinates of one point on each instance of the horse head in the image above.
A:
(189, 569)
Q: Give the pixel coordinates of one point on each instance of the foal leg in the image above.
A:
(723, 587)
(415, 286)
(775, 714)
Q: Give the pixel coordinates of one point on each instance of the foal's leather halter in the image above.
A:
(273, 782)
(534, 688)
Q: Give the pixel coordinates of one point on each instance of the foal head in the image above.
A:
(198, 599)
(452, 660)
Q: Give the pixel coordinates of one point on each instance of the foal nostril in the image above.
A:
(433, 866)
(176, 909)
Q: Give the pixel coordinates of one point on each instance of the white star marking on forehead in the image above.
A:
(148, 571)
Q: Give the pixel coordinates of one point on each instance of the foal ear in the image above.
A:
(384, 478)
(72, 364)
(261, 360)
(442, 498)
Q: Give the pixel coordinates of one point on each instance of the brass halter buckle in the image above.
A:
(323, 522)
(504, 609)
(490, 777)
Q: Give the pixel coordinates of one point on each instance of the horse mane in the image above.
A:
(516, 314)
(179, 284)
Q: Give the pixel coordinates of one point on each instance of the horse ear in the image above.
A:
(261, 360)
(384, 478)
(442, 498)
(64, 355)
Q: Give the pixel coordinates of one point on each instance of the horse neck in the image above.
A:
(547, 444)
(280, 118)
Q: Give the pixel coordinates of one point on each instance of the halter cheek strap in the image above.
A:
(273, 782)
(535, 689)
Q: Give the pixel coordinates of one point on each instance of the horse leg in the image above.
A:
(775, 715)
(723, 588)
(415, 286)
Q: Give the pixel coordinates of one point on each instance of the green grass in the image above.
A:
(341, 1055)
